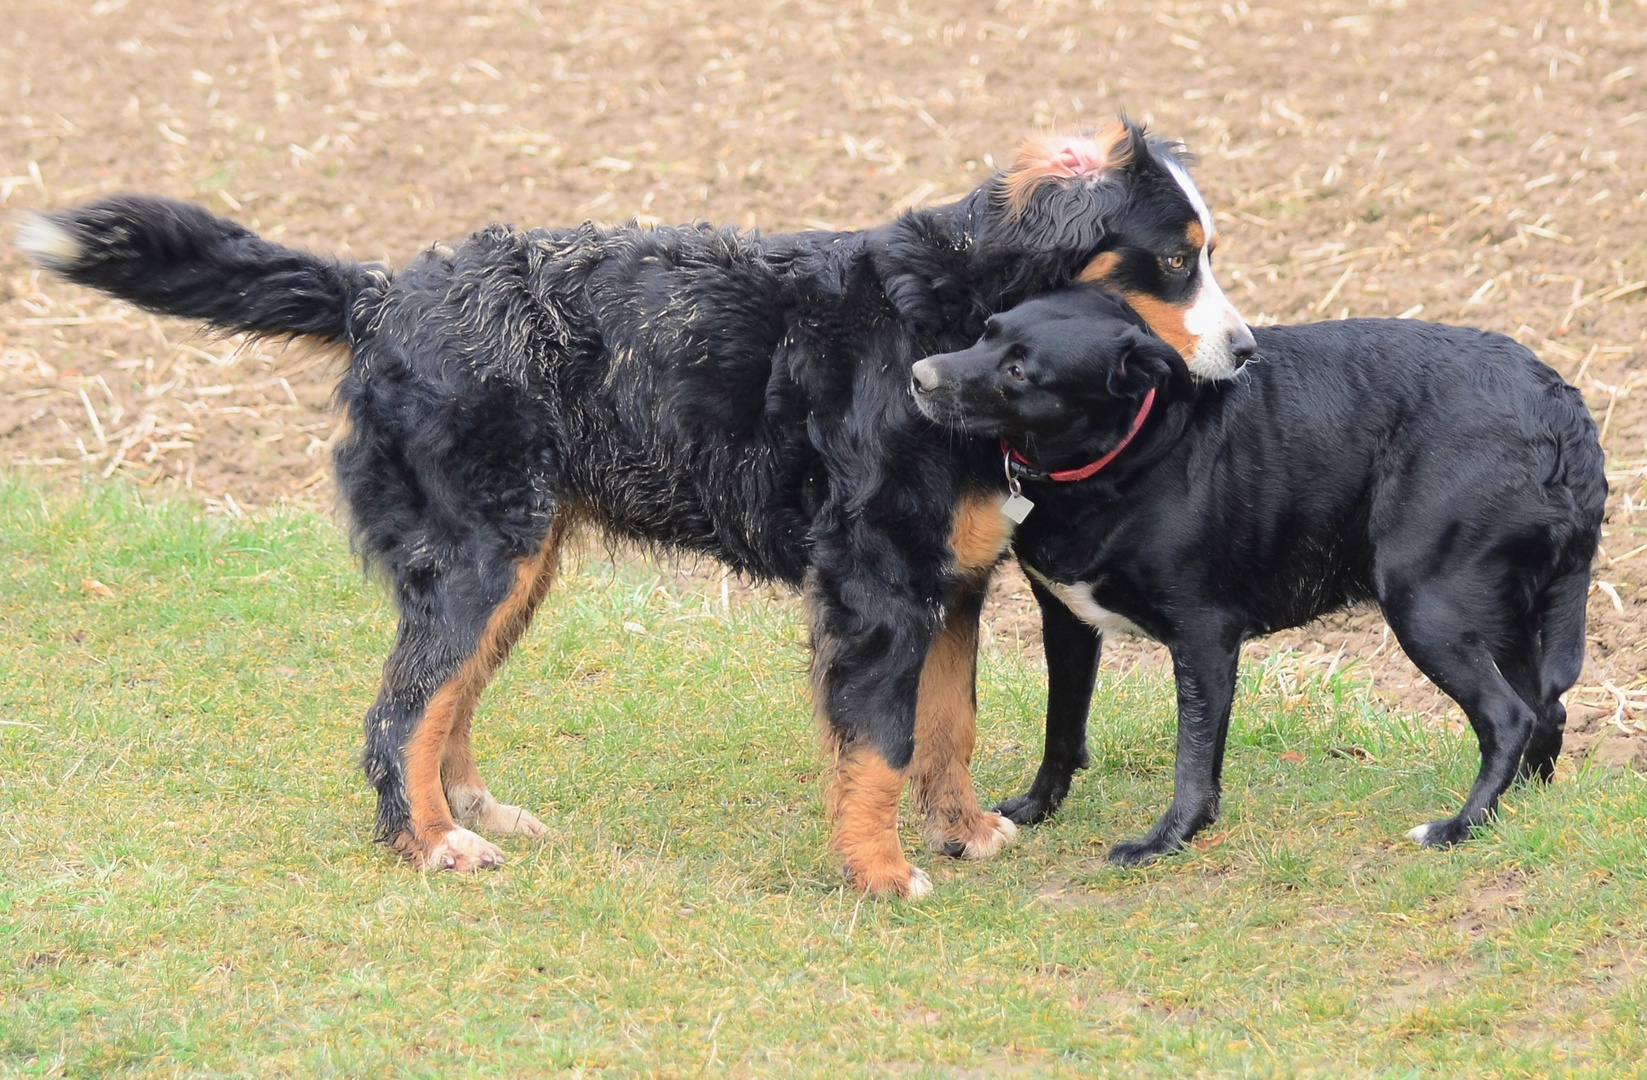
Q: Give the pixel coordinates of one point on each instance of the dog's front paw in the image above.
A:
(1139, 852)
(458, 849)
(1031, 808)
(906, 881)
(1440, 834)
(985, 835)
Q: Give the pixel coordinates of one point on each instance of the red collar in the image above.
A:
(1091, 468)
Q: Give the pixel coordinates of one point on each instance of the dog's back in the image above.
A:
(634, 374)
(1343, 437)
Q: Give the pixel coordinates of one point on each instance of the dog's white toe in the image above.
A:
(1004, 833)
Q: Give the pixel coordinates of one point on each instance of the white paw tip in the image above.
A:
(919, 884)
(1419, 835)
(463, 851)
(47, 242)
(1004, 833)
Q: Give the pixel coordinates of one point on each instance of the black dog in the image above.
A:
(1444, 473)
(739, 395)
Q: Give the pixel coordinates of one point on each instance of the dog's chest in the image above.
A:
(1079, 599)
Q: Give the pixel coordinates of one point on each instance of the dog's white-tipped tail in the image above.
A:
(177, 258)
(48, 243)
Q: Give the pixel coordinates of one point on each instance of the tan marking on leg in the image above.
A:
(861, 792)
(862, 802)
(978, 532)
(439, 755)
(466, 793)
(940, 776)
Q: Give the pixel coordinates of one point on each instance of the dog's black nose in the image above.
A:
(1243, 349)
(925, 377)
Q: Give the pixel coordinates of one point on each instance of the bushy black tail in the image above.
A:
(175, 258)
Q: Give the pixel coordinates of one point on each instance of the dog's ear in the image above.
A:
(1143, 361)
(1064, 159)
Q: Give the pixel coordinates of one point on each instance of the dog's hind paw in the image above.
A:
(474, 807)
(988, 836)
(459, 850)
(505, 820)
(1440, 834)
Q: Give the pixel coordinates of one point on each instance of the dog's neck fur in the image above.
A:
(980, 278)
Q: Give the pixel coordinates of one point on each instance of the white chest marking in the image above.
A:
(1078, 598)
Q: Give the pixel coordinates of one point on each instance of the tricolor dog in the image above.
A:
(739, 395)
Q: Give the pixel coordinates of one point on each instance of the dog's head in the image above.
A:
(1055, 373)
(1125, 202)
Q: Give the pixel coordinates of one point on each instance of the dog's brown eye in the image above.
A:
(1177, 262)
(1016, 370)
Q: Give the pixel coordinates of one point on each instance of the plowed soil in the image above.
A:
(1449, 160)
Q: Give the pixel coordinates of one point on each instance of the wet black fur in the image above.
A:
(739, 395)
(1443, 473)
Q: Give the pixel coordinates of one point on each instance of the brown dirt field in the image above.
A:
(1482, 164)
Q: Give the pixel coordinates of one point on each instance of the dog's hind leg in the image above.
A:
(946, 714)
(1519, 658)
(1440, 625)
(1560, 659)
(1072, 649)
(458, 615)
(472, 804)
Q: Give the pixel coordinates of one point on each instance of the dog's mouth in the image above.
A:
(1208, 332)
(950, 401)
(934, 398)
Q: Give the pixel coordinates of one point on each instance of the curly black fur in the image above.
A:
(735, 394)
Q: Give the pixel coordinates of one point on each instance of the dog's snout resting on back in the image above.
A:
(739, 395)
(1443, 473)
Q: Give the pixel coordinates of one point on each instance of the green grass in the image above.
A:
(188, 886)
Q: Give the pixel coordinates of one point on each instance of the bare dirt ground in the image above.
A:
(1450, 160)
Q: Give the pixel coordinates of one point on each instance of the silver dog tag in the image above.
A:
(1017, 508)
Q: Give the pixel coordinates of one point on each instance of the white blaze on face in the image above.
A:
(1211, 320)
